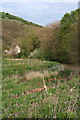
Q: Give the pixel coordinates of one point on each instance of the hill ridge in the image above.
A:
(5, 15)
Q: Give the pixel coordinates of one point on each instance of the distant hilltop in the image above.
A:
(9, 16)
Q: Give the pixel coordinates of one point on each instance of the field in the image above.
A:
(39, 89)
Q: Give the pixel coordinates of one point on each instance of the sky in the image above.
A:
(39, 12)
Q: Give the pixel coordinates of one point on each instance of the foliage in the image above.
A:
(57, 42)
(9, 16)
(48, 47)
(68, 38)
(30, 45)
(16, 33)
(21, 101)
(50, 92)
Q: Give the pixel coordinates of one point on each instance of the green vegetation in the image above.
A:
(17, 33)
(57, 42)
(24, 95)
(37, 86)
(68, 38)
(9, 16)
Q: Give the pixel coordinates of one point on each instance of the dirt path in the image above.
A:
(15, 59)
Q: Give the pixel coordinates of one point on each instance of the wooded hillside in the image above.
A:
(56, 42)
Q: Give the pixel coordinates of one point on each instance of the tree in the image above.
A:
(67, 37)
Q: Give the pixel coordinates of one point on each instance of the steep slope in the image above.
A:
(16, 30)
(9, 16)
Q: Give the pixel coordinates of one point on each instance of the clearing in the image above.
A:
(40, 89)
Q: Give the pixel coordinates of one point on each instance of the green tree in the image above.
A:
(67, 47)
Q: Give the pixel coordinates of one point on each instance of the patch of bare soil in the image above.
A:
(35, 90)
(34, 74)
(15, 59)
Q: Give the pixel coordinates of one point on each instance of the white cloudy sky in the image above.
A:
(40, 12)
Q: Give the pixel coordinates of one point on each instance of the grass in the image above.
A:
(27, 98)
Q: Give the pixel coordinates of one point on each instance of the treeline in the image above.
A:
(55, 42)
(68, 38)
(9, 16)
(59, 41)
